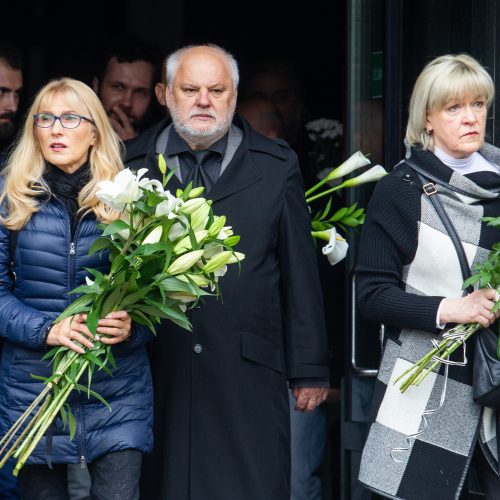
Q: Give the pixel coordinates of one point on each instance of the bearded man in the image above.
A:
(11, 83)
(222, 423)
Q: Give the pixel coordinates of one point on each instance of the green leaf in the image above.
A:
(134, 297)
(117, 263)
(172, 284)
(114, 298)
(94, 359)
(93, 317)
(139, 317)
(81, 304)
(358, 213)
(351, 209)
(350, 221)
(471, 281)
(326, 210)
(101, 243)
(338, 215)
(95, 394)
(72, 424)
(115, 227)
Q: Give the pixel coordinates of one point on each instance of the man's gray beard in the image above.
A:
(201, 138)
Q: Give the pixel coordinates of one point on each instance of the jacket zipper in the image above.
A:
(83, 462)
(79, 410)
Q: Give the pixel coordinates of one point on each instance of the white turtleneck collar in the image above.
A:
(473, 163)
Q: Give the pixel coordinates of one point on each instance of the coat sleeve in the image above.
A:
(389, 239)
(307, 354)
(19, 323)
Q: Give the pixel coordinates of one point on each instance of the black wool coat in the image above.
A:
(221, 407)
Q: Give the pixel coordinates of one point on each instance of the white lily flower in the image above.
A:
(374, 174)
(168, 206)
(336, 249)
(357, 160)
(225, 232)
(123, 190)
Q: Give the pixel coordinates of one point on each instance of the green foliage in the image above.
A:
(345, 217)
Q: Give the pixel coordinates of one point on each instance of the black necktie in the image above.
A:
(197, 175)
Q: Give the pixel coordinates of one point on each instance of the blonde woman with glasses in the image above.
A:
(49, 220)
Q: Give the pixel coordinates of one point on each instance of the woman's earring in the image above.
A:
(429, 132)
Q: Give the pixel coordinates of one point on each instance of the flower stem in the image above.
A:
(47, 418)
(445, 349)
(324, 193)
(25, 431)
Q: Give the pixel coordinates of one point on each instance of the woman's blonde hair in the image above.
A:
(26, 165)
(446, 78)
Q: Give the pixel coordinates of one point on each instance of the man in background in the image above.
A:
(11, 83)
(125, 84)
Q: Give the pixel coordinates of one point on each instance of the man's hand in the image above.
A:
(121, 123)
(309, 398)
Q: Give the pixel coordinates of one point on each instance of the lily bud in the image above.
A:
(184, 262)
(195, 192)
(185, 243)
(192, 205)
(220, 260)
(199, 218)
(217, 225)
(154, 236)
(374, 174)
(162, 164)
(199, 279)
(236, 257)
(182, 296)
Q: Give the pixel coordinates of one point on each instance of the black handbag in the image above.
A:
(485, 364)
(486, 370)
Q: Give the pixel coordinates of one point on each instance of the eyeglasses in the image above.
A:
(68, 120)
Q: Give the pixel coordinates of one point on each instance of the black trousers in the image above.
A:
(114, 476)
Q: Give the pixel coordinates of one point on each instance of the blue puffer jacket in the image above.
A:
(47, 266)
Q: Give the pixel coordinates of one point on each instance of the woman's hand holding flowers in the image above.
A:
(473, 308)
(72, 332)
(115, 327)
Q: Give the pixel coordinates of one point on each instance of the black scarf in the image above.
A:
(66, 187)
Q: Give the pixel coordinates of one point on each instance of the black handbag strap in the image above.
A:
(431, 190)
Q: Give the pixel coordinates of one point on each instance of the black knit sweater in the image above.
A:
(389, 241)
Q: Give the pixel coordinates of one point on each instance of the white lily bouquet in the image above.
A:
(166, 252)
(324, 222)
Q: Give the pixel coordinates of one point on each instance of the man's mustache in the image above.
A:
(8, 115)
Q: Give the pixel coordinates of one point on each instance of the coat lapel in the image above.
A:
(243, 171)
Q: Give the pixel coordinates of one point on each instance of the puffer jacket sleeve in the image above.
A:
(19, 323)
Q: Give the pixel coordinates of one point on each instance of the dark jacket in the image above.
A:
(221, 404)
(47, 266)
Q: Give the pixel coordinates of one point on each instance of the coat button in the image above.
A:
(197, 348)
